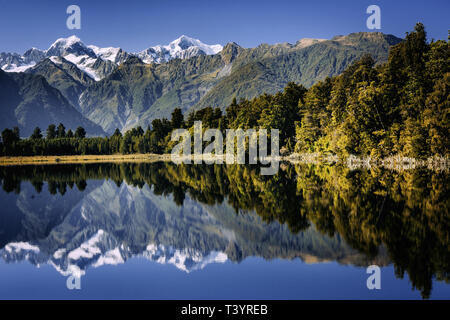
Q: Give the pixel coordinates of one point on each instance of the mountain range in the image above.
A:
(111, 88)
(109, 224)
(98, 62)
(29, 101)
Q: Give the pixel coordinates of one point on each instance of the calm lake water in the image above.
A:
(161, 231)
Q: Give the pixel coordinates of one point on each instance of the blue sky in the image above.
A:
(135, 25)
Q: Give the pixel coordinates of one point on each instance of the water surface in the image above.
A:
(161, 231)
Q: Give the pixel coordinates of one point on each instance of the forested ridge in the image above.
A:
(398, 108)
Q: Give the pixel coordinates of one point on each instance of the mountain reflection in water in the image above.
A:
(79, 216)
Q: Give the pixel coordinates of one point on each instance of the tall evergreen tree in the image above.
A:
(61, 131)
(177, 119)
(51, 132)
(80, 133)
(37, 134)
(69, 134)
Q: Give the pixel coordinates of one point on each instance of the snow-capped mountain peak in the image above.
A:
(185, 42)
(184, 47)
(116, 55)
(102, 249)
(98, 62)
(66, 42)
(71, 45)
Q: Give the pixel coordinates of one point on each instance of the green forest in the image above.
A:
(400, 107)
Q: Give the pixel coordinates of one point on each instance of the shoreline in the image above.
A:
(80, 159)
(397, 162)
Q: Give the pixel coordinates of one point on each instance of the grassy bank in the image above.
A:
(4, 161)
(436, 163)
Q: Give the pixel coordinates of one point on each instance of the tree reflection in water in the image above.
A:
(407, 213)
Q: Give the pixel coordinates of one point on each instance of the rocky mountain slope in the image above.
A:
(136, 93)
(29, 101)
(116, 89)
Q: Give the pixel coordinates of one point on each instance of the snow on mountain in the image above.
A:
(19, 246)
(90, 58)
(17, 68)
(13, 62)
(111, 257)
(75, 51)
(69, 46)
(85, 63)
(104, 249)
(34, 55)
(87, 249)
(185, 259)
(116, 55)
(56, 59)
(98, 62)
(184, 47)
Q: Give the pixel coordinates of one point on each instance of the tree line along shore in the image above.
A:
(397, 109)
